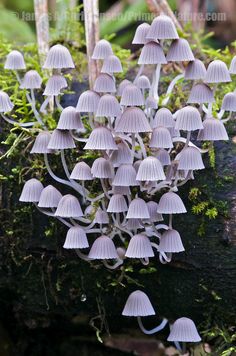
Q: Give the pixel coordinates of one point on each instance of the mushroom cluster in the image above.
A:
(141, 148)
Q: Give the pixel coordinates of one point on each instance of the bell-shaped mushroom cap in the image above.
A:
(76, 238)
(58, 57)
(70, 120)
(88, 101)
(229, 102)
(188, 119)
(190, 158)
(103, 248)
(213, 130)
(132, 120)
(154, 215)
(180, 51)
(102, 168)
(49, 197)
(54, 85)
(15, 61)
(138, 209)
(69, 207)
(104, 83)
(117, 204)
(108, 106)
(152, 53)
(112, 64)
(60, 140)
(195, 70)
(171, 242)
(81, 171)
(125, 176)
(100, 139)
(101, 217)
(217, 72)
(138, 304)
(161, 138)
(140, 36)
(200, 94)
(232, 67)
(122, 155)
(163, 157)
(5, 102)
(184, 330)
(150, 169)
(171, 203)
(31, 191)
(134, 224)
(162, 28)
(122, 86)
(102, 50)
(41, 143)
(132, 96)
(163, 118)
(139, 247)
(151, 103)
(31, 80)
(143, 82)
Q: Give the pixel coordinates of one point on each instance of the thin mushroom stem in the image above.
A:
(58, 104)
(77, 186)
(142, 146)
(45, 104)
(104, 188)
(170, 221)
(139, 73)
(13, 122)
(154, 330)
(171, 87)
(187, 139)
(82, 255)
(52, 214)
(32, 102)
(144, 261)
(118, 263)
(155, 83)
(91, 120)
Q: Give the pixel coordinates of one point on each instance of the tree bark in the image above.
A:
(42, 27)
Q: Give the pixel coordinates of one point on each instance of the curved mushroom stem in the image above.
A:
(187, 139)
(45, 104)
(82, 191)
(139, 73)
(183, 139)
(144, 261)
(13, 122)
(32, 102)
(58, 104)
(118, 263)
(52, 214)
(82, 255)
(142, 146)
(227, 119)
(155, 82)
(220, 114)
(154, 330)
(165, 257)
(171, 87)
(104, 188)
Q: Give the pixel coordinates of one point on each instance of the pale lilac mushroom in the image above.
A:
(132, 96)
(31, 80)
(58, 57)
(180, 51)
(163, 118)
(184, 330)
(101, 217)
(88, 102)
(143, 82)
(122, 86)
(200, 94)
(60, 140)
(190, 158)
(162, 28)
(104, 83)
(50, 197)
(76, 238)
(139, 247)
(117, 204)
(111, 65)
(140, 36)
(15, 61)
(163, 157)
(103, 248)
(54, 85)
(102, 50)
(195, 70)
(138, 304)
(150, 169)
(5, 102)
(102, 168)
(232, 67)
(108, 106)
(31, 191)
(154, 215)
(41, 143)
(152, 53)
(133, 120)
(229, 102)
(213, 130)
(171, 242)
(69, 207)
(122, 155)
(138, 209)
(125, 176)
(171, 203)
(188, 119)
(81, 171)
(217, 72)
(102, 139)
(161, 138)
(70, 120)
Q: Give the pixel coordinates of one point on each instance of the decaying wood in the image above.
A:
(162, 6)
(91, 18)
(42, 27)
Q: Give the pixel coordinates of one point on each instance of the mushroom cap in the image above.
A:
(139, 247)
(41, 143)
(232, 67)
(140, 36)
(184, 330)
(154, 215)
(102, 139)
(31, 191)
(151, 103)
(132, 120)
(132, 96)
(162, 28)
(70, 120)
(54, 85)
(116, 189)
(69, 207)
(104, 83)
(152, 53)
(122, 86)
(150, 169)
(50, 197)
(101, 217)
(195, 70)
(217, 72)
(161, 138)
(31, 80)
(122, 155)
(88, 101)
(229, 102)
(102, 168)
(102, 50)
(112, 64)
(171, 242)
(163, 157)
(188, 119)
(180, 51)
(108, 106)
(125, 176)
(200, 94)
(138, 304)
(103, 248)
(58, 57)
(134, 224)
(190, 158)
(60, 140)
(163, 118)
(138, 210)
(76, 238)
(143, 82)
(81, 171)
(5, 102)
(15, 61)
(213, 130)
(117, 204)
(171, 203)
